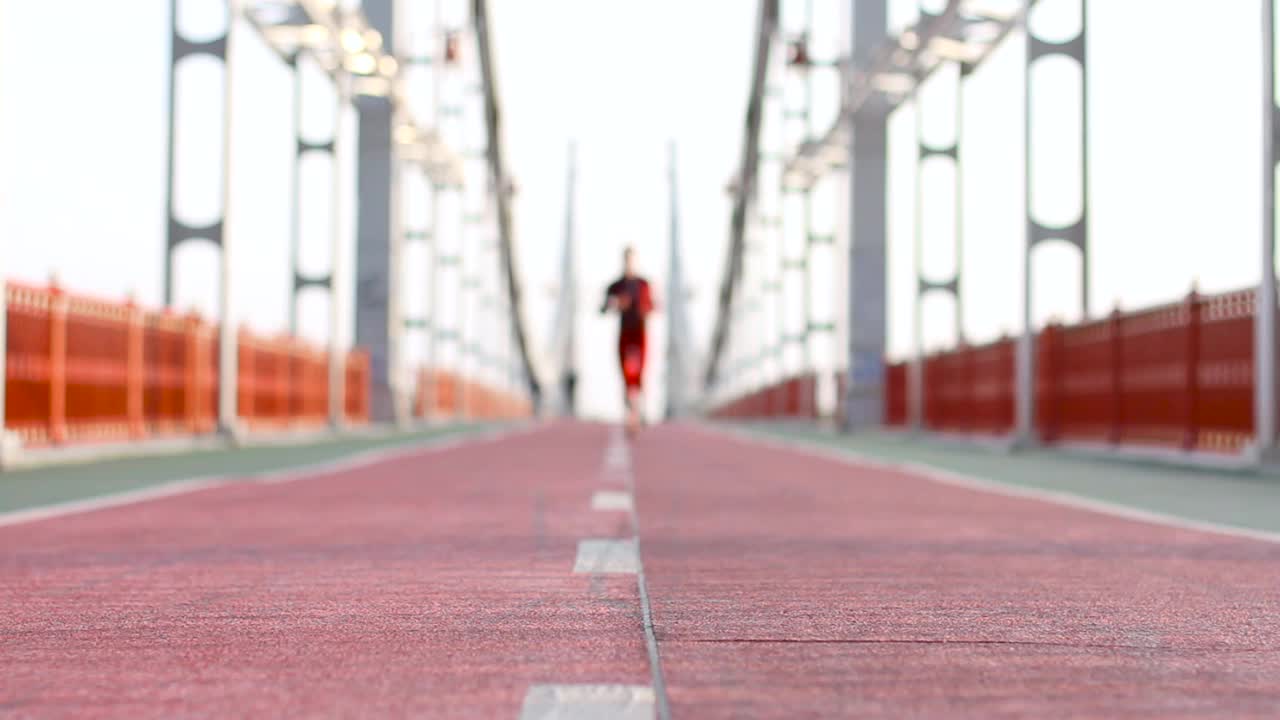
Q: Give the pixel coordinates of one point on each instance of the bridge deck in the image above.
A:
(455, 582)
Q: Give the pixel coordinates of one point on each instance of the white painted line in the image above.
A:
(611, 500)
(598, 557)
(617, 461)
(374, 457)
(620, 448)
(617, 454)
(616, 458)
(612, 479)
(588, 702)
(299, 472)
(947, 477)
(178, 487)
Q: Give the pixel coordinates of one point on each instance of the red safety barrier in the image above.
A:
(895, 394)
(1175, 376)
(441, 393)
(993, 390)
(1178, 375)
(180, 375)
(970, 389)
(1223, 381)
(356, 386)
(436, 394)
(448, 394)
(805, 394)
(80, 369)
(421, 395)
(283, 383)
(795, 397)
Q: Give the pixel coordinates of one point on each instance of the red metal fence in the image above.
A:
(444, 394)
(356, 386)
(1177, 375)
(791, 398)
(80, 369)
(970, 389)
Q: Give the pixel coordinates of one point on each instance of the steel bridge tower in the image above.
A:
(680, 354)
(563, 349)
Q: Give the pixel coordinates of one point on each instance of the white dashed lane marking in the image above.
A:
(606, 556)
(588, 702)
(611, 500)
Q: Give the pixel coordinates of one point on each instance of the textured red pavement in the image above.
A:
(782, 586)
(789, 586)
(433, 586)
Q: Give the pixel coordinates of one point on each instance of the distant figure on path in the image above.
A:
(631, 297)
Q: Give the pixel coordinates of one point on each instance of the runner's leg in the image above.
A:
(626, 385)
(642, 348)
(631, 353)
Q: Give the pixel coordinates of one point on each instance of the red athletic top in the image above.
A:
(635, 301)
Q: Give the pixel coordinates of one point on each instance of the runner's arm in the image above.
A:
(648, 304)
(610, 301)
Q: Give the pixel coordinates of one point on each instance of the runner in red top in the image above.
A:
(631, 297)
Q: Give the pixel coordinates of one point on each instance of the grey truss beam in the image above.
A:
(963, 32)
(766, 27)
(501, 189)
(1264, 364)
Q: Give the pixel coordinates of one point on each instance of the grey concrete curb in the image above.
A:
(15, 457)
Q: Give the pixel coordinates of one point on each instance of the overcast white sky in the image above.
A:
(1175, 175)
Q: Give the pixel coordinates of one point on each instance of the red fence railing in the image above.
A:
(79, 369)
(794, 398)
(356, 385)
(1177, 375)
(443, 394)
(970, 389)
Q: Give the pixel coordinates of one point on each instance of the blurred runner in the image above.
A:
(631, 297)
